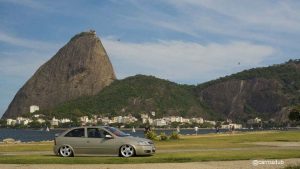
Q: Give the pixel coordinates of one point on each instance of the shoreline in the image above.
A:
(255, 129)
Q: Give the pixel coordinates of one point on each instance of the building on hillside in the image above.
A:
(65, 120)
(84, 119)
(40, 120)
(210, 122)
(34, 108)
(231, 125)
(11, 122)
(54, 122)
(23, 121)
(254, 121)
(198, 120)
(159, 122)
(146, 119)
(105, 120)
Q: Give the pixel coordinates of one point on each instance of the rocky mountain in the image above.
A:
(262, 92)
(80, 68)
(79, 80)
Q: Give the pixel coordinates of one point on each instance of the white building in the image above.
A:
(34, 108)
(229, 126)
(40, 120)
(11, 122)
(105, 120)
(22, 120)
(254, 121)
(198, 120)
(184, 120)
(159, 122)
(37, 115)
(65, 120)
(178, 119)
(54, 122)
(210, 122)
(84, 119)
(146, 119)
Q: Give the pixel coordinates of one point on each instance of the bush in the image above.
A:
(151, 135)
(174, 136)
(163, 137)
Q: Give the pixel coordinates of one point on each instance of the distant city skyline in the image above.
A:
(185, 41)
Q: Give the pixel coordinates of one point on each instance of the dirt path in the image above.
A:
(242, 164)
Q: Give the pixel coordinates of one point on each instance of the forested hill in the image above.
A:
(135, 95)
(261, 92)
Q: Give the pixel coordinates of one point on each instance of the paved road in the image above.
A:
(241, 164)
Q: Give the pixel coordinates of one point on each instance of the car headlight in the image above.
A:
(143, 143)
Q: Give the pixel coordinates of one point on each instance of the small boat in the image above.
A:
(133, 129)
(47, 129)
(178, 129)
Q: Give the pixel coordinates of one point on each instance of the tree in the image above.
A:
(294, 115)
(3, 123)
(35, 125)
(218, 124)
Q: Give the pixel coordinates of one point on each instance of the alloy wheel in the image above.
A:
(127, 151)
(65, 151)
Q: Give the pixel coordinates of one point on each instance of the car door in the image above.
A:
(97, 142)
(76, 139)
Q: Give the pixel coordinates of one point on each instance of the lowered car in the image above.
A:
(100, 140)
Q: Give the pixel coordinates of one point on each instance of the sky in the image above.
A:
(185, 41)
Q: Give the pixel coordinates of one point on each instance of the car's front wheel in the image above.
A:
(65, 151)
(127, 150)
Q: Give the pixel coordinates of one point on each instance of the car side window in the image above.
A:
(76, 133)
(95, 133)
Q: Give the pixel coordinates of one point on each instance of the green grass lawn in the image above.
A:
(229, 140)
(158, 158)
(216, 143)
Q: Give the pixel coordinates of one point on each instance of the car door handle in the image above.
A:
(87, 141)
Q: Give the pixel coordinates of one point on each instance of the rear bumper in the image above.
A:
(145, 150)
(55, 150)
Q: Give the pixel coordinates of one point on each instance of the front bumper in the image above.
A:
(145, 150)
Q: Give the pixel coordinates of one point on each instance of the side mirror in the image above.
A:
(57, 134)
(108, 136)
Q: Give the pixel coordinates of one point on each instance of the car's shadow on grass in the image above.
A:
(95, 155)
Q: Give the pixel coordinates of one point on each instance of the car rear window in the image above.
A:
(76, 133)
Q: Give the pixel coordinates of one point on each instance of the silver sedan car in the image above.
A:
(101, 140)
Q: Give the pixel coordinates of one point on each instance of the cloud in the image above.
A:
(185, 61)
(27, 43)
(27, 3)
(276, 15)
(274, 23)
(23, 56)
(22, 63)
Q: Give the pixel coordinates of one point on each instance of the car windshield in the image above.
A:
(116, 132)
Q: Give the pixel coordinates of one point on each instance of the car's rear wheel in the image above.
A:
(127, 150)
(66, 151)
